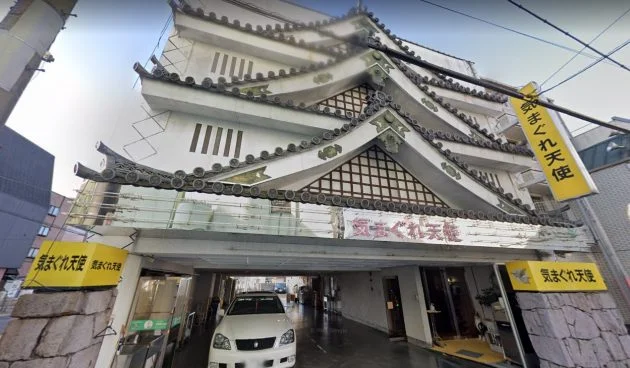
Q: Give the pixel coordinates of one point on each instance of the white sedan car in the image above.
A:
(255, 332)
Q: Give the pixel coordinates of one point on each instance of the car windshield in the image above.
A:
(256, 305)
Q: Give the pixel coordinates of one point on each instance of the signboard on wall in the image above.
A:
(563, 168)
(398, 227)
(75, 265)
(555, 276)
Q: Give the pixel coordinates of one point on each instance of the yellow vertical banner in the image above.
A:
(563, 168)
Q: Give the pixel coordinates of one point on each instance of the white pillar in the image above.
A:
(122, 307)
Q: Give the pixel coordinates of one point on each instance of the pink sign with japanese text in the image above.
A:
(397, 227)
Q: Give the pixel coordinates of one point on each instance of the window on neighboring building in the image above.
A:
(32, 253)
(43, 230)
(53, 210)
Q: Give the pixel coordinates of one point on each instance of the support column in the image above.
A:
(575, 329)
(57, 329)
(121, 309)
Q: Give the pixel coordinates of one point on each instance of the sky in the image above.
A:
(84, 94)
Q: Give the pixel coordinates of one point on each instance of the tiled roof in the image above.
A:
(121, 171)
(208, 84)
(247, 27)
(276, 32)
(373, 108)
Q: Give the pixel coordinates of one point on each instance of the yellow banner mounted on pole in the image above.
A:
(555, 276)
(74, 265)
(563, 168)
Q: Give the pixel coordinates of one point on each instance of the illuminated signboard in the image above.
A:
(555, 276)
(563, 168)
(75, 264)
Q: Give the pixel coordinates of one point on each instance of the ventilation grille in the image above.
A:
(216, 141)
(375, 175)
(229, 66)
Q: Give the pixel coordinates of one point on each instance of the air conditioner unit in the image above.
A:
(529, 177)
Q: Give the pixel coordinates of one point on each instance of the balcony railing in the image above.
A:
(203, 212)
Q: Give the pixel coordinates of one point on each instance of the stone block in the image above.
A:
(65, 335)
(614, 346)
(556, 300)
(582, 353)
(4, 365)
(20, 338)
(42, 363)
(85, 358)
(528, 301)
(584, 327)
(601, 351)
(97, 301)
(49, 304)
(625, 343)
(581, 302)
(532, 321)
(609, 320)
(553, 323)
(570, 314)
(552, 350)
(606, 301)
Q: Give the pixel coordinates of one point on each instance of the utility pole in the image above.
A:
(619, 273)
(26, 34)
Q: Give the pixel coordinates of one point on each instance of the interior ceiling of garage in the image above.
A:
(293, 265)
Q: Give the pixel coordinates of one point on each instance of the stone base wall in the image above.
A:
(58, 329)
(576, 329)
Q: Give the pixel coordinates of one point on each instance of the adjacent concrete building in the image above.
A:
(606, 154)
(25, 181)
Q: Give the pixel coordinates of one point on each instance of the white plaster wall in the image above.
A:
(508, 183)
(363, 300)
(173, 145)
(446, 61)
(202, 57)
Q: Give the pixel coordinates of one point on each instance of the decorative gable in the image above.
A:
(373, 174)
(353, 100)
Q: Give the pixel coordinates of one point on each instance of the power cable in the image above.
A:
(494, 86)
(568, 34)
(168, 21)
(586, 68)
(512, 30)
(584, 48)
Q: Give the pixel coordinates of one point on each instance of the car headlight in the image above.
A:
(221, 342)
(288, 337)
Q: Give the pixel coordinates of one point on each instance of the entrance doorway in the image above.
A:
(393, 304)
(447, 294)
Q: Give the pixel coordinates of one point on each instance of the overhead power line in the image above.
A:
(584, 48)
(568, 34)
(494, 86)
(512, 30)
(587, 67)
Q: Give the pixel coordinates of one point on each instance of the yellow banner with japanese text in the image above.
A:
(555, 276)
(73, 265)
(563, 168)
